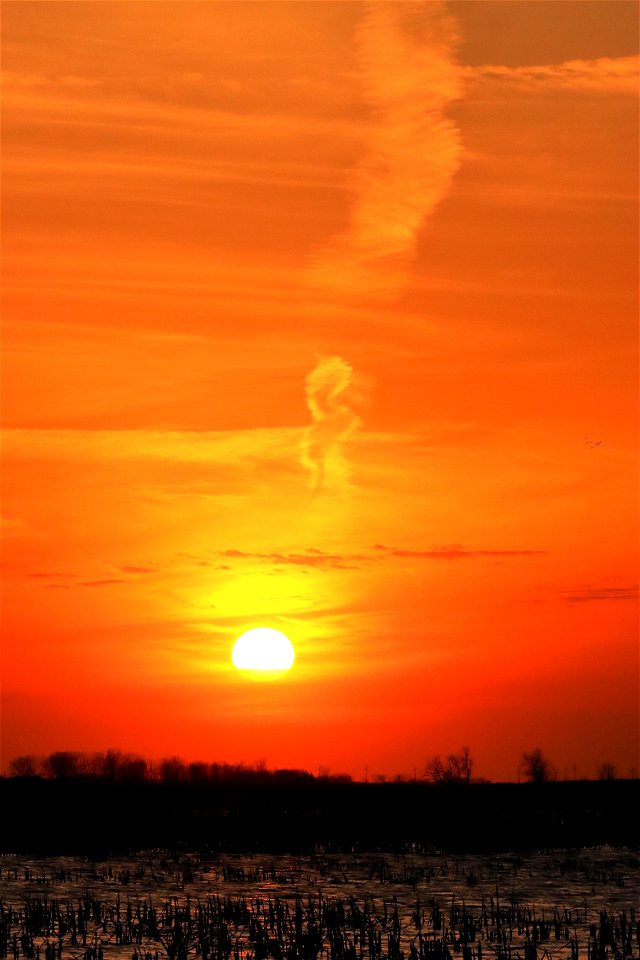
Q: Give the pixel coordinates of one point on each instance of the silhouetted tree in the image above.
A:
(292, 776)
(198, 772)
(465, 764)
(607, 771)
(172, 770)
(25, 766)
(101, 766)
(455, 768)
(132, 769)
(111, 765)
(536, 767)
(63, 764)
(341, 778)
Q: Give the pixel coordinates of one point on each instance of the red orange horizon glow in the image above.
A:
(321, 317)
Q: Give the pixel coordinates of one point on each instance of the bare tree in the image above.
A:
(198, 772)
(607, 771)
(454, 768)
(132, 769)
(63, 764)
(536, 767)
(111, 765)
(172, 770)
(25, 766)
(434, 769)
(465, 764)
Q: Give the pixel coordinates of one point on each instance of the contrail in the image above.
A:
(333, 422)
(409, 76)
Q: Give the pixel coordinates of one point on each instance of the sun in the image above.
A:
(263, 654)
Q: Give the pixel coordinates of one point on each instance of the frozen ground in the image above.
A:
(578, 904)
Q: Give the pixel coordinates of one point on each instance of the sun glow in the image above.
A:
(263, 654)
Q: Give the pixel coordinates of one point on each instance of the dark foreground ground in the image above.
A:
(92, 818)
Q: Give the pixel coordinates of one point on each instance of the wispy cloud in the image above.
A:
(409, 76)
(606, 74)
(49, 576)
(333, 422)
(99, 583)
(73, 100)
(224, 446)
(15, 80)
(603, 593)
(14, 527)
(348, 561)
(459, 553)
(316, 559)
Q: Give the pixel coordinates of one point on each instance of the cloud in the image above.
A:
(99, 583)
(49, 576)
(328, 394)
(72, 101)
(604, 593)
(606, 74)
(457, 552)
(137, 569)
(312, 559)
(15, 80)
(14, 526)
(409, 76)
(332, 561)
(230, 447)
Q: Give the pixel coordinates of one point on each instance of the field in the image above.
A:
(579, 905)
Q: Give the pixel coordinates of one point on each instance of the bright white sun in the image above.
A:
(263, 653)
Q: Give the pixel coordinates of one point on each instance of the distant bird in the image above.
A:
(592, 443)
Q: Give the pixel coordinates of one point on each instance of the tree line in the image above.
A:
(535, 767)
(113, 766)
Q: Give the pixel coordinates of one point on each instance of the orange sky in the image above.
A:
(321, 316)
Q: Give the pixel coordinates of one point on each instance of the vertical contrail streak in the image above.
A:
(333, 422)
(409, 76)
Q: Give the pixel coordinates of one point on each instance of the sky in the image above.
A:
(321, 316)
